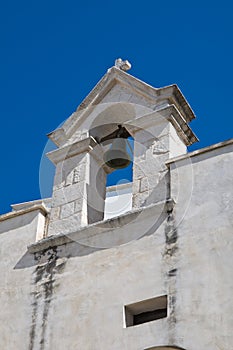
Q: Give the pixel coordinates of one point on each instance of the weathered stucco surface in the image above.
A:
(72, 296)
(17, 274)
(204, 281)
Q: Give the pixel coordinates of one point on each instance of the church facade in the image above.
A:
(157, 276)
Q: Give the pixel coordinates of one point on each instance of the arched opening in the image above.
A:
(125, 175)
(119, 187)
(118, 198)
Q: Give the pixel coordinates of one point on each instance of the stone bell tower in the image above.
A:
(156, 118)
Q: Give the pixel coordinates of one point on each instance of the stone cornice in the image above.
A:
(171, 114)
(16, 213)
(83, 233)
(200, 151)
(68, 151)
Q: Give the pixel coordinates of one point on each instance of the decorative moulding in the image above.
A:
(110, 79)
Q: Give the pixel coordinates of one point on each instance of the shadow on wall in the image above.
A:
(69, 250)
(75, 249)
(16, 222)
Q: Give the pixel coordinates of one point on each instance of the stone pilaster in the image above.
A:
(153, 146)
(79, 186)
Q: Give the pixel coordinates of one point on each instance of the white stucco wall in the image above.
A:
(118, 200)
(16, 273)
(72, 294)
(204, 282)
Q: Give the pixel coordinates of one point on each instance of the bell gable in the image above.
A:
(119, 97)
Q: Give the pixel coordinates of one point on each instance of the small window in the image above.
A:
(165, 348)
(146, 311)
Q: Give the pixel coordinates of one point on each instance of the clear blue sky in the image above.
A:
(54, 52)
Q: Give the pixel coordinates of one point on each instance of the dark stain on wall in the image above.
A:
(172, 273)
(170, 229)
(33, 324)
(43, 285)
(170, 257)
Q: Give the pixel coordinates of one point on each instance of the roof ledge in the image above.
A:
(200, 151)
(38, 207)
(83, 234)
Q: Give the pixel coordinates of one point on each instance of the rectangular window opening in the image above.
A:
(146, 311)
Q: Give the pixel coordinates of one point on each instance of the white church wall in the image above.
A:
(118, 200)
(16, 272)
(204, 257)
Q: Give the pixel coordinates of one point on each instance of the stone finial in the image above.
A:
(123, 65)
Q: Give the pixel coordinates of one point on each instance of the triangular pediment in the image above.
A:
(119, 87)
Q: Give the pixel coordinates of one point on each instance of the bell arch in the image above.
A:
(118, 160)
